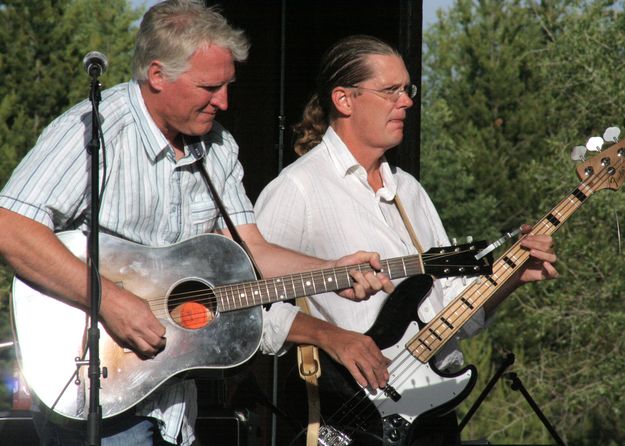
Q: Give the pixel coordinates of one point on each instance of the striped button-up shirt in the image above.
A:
(146, 196)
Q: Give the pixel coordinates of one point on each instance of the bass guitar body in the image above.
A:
(416, 391)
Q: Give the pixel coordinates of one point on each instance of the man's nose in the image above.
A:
(404, 101)
(220, 98)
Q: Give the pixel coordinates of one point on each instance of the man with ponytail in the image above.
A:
(341, 195)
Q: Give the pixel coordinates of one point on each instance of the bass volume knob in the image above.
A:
(394, 435)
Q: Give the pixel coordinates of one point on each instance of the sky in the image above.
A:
(429, 8)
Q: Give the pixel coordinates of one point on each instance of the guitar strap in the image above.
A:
(309, 369)
(222, 209)
(413, 235)
(309, 363)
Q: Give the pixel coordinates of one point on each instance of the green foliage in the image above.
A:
(511, 87)
(42, 43)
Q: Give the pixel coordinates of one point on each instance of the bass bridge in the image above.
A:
(395, 432)
(330, 436)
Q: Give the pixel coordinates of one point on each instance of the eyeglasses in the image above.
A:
(392, 93)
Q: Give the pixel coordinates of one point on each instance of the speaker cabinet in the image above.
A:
(227, 427)
(218, 427)
(17, 429)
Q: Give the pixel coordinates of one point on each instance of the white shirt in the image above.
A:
(323, 205)
(149, 198)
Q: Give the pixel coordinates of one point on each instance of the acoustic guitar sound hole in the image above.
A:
(191, 304)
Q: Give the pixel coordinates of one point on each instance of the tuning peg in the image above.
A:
(578, 153)
(611, 134)
(595, 143)
(454, 241)
(469, 239)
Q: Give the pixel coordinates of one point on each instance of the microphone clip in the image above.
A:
(95, 63)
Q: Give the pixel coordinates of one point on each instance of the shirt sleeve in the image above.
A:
(286, 227)
(226, 170)
(277, 322)
(51, 183)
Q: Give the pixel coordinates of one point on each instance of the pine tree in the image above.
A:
(511, 87)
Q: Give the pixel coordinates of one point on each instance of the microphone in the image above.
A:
(95, 63)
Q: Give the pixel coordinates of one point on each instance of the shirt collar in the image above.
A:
(347, 165)
(343, 160)
(154, 142)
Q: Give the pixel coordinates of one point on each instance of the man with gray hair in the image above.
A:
(159, 133)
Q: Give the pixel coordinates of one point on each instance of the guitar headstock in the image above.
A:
(605, 170)
(457, 260)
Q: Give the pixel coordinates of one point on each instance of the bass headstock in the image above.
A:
(606, 170)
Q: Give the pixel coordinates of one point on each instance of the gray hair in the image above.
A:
(171, 31)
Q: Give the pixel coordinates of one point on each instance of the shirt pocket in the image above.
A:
(204, 216)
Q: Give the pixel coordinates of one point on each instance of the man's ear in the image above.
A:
(342, 99)
(156, 77)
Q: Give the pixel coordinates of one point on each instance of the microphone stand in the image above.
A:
(94, 418)
(507, 362)
(516, 384)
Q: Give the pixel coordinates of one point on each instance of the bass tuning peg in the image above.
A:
(611, 134)
(595, 143)
(578, 153)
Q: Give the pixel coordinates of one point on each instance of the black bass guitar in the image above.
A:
(416, 389)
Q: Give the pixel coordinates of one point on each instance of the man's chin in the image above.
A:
(398, 136)
(200, 130)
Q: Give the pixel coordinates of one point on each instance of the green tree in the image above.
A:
(42, 43)
(511, 87)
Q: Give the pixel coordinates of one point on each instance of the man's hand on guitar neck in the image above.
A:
(540, 266)
(274, 260)
(365, 284)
